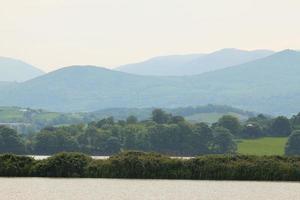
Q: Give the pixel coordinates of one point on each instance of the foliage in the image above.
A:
(293, 144)
(223, 141)
(163, 133)
(10, 141)
(252, 130)
(62, 165)
(28, 121)
(166, 134)
(12, 165)
(281, 126)
(142, 165)
(231, 123)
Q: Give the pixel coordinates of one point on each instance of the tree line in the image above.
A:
(141, 165)
(163, 132)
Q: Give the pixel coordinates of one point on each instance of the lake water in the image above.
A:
(38, 157)
(116, 189)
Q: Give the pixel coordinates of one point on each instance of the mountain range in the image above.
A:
(17, 70)
(269, 85)
(192, 64)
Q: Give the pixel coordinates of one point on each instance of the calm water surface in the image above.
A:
(38, 157)
(116, 189)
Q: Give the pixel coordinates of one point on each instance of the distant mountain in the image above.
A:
(269, 85)
(162, 65)
(16, 70)
(82, 88)
(178, 65)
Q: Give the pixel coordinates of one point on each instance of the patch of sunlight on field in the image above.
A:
(262, 146)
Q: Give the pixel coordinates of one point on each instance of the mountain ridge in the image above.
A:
(269, 85)
(15, 70)
(192, 64)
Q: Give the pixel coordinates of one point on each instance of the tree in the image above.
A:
(177, 119)
(231, 123)
(50, 142)
(112, 145)
(134, 137)
(201, 139)
(295, 121)
(223, 141)
(252, 130)
(10, 141)
(106, 121)
(92, 140)
(263, 122)
(281, 127)
(159, 116)
(131, 120)
(292, 147)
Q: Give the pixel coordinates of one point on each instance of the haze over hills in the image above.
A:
(178, 65)
(17, 70)
(268, 85)
(161, 65)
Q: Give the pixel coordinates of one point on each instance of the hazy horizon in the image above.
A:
(50, 34)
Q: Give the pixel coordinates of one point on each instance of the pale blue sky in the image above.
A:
(55, 33)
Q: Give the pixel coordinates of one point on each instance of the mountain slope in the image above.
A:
(268, 85)
(193, 64)
(161, 66)
(16, 70)
(84, 88)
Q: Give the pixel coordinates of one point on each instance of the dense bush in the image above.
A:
(155, 166)
(12, 165)
(213, 167)
(62, 165)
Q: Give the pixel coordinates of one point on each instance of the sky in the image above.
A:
(51, 34)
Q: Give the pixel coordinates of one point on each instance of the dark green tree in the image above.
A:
(281, 127)
(223, 141)
(50, 142)
(160, 116)
(10, 141)
(112, 145)
(231, 123)
(131, 120)
(252, 130)
(293, 145)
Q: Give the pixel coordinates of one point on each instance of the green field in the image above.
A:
(262, 146)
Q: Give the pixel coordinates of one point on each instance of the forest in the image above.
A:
(162, 132)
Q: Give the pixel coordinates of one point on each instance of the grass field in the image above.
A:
(262, 146)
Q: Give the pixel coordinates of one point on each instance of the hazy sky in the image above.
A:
(55, 33)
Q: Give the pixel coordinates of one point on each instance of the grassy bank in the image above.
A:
(155, 166)
(262, 146)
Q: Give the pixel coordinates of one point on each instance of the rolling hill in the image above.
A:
(27, 120)
(15, 70)
(268, 85)
(178, 65)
